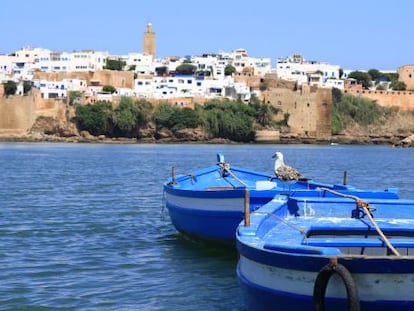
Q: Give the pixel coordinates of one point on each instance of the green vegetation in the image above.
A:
(114, 64)
(10, 87)
(160, 71)
(229, 70)
(398, 85)
(128, 117)
(348, 109)
(174, 118)
(362, 77)
(101, 118)
(95, 118)
(186, 69)
(27, 87)
(74, 96)
(221, 119)
(374, 77)
(109, 89)
(231, 120)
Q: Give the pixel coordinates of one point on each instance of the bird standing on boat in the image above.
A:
(285, 172)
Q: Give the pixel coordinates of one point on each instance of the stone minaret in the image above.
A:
(149, 41)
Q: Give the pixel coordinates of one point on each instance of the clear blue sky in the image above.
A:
(355, 34)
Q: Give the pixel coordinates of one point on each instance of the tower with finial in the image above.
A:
(149, 41)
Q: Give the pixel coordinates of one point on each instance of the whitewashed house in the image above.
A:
(6, 67)
(143, 63)
(51, 89)
(296, 68)
(88, 61)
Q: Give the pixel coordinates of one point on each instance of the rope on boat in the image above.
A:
(225, 166)
(364, 205)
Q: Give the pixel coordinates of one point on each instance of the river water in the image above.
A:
(82, 226)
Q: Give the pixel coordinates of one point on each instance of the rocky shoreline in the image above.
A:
(85, 137)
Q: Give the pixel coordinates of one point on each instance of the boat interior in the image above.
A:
(328, 226)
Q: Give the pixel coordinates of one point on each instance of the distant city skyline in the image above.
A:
(353, 34)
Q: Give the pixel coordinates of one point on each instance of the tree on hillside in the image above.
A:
(161, 71)
(95, 118)
(74, 97)
(186, 68)
(229, 70)
(10, 87)
(336, 95)
(27, 86)
(125, 117)
(114, 64)
(398, 86)
(392, 76)
(231, 120)
(362, 77)
(109, 88)
(163, 115)
(174, 118)
(375, 74)
(264, 113)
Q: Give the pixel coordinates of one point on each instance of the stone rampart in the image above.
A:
(17, 114)
(309, 109)
(402, 99)
(118, 79)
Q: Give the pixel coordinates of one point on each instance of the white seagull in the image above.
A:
(285, 172)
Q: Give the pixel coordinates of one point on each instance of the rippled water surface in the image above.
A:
(82, 226)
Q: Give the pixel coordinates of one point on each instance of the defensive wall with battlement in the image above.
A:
(404, 100)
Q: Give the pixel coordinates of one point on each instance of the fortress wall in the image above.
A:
(402, 99)
(17, 114)
(309, 111)
(250, 80)
(118, 79)
(406, 75)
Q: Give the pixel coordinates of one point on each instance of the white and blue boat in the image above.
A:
(331, 253)
(210, 203)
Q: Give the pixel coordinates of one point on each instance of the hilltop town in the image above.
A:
(38, 87)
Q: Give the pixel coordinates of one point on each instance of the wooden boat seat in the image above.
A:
(218, 188)
(358, 242)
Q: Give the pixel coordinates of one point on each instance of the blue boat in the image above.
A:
(209, 203)
(333, 253)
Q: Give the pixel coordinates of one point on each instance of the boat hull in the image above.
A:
(209, 204)
(211, 216)
(286, 289)
(296, 248)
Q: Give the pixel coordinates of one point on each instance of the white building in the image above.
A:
(59, 89)
(49, 61)
(51, 89)
(189, 86)
(240, 60)
(16, 67)
(143, 63)
(296, 68)
(87, 61)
